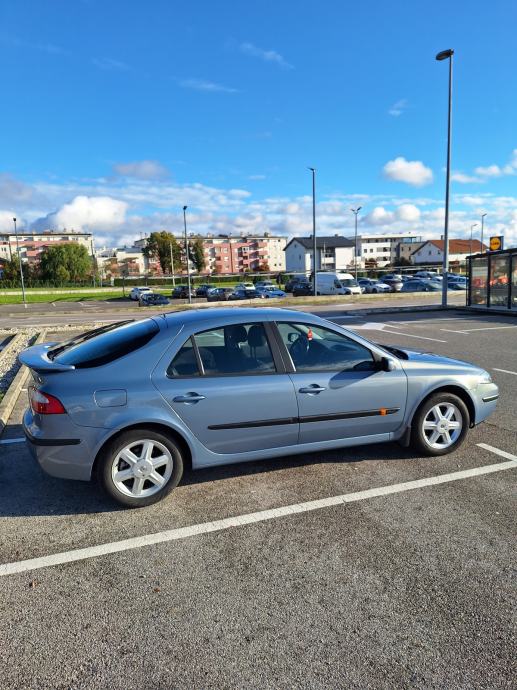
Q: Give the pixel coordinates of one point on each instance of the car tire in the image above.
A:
(137, 442)
(432, 436)
(374, 291)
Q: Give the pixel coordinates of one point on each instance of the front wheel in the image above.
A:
(440, 425)
(140, 467)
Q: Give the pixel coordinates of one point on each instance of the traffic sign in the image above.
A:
(496, 243)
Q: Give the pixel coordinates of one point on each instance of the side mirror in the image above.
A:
(387, 364)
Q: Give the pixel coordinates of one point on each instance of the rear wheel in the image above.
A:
(140, 467)
(440, 425)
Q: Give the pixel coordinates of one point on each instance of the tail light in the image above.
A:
(44, 403)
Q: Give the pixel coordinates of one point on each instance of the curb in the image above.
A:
(11, 345)
(11, 396)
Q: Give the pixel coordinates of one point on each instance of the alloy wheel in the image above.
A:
(142, 468)
(442, 425)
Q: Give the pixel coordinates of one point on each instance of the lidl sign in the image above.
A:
(496, 243)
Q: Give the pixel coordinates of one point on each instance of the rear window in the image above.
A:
(104, 345)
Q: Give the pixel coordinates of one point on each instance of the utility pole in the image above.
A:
(444, 55)
(187, 253)
(172, 266)
(20, 262)
(482, 229)
(355, 211)
(314, 260)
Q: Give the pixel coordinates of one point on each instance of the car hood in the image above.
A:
(412, 360)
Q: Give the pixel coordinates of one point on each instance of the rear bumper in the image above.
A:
(59, 454)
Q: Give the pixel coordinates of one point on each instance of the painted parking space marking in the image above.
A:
(411, 335)
(251, 518)
(505, 371)
(7, 441)
(488, 328)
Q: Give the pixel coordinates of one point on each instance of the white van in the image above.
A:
(328, 283)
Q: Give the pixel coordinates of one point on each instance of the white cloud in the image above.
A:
(85, 212)
(206, 86)
(6, 221)
(465, 179)
(379, 216)
(489, 171)
(412, 172)
(256, 177)
(110, 65)
(408, 212)
(266, 55)
(143, 170)
(398, 107)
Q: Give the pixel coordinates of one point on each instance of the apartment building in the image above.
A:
(32, 244)
(332, 253)
(383, 249)
(431, 252)
(227, 254)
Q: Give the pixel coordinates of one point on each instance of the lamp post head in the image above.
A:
(483, 215)
(185, 208)
(473, 226)
(356, 210)
(444, 54)
(312, 169)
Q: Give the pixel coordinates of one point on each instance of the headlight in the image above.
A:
(485, 378)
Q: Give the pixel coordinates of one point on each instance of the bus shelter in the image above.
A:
(493, 280)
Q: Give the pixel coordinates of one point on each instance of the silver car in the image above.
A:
(133, 404)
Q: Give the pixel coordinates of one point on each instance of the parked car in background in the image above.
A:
(300, 279)
(202, 290)
(394, 280)
(264, 283)
(220, 294)
(456, 282)
(248, 288)
(131, 404)
(240, 293)
(152, 299)
(137, 291)
(181, 292)
(429, 275)
(419, 285)
(373, 286)
(269, 291)
(302, 289)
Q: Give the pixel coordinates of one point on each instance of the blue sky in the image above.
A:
(117, 113)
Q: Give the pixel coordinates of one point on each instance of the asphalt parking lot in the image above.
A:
(410, 586)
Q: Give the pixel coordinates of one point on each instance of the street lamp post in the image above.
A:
(172, 266)
(474, 225)
(314, 265)
(444, 55)
(187, 253)
(355, 211)
(20, 262)
(482, 229)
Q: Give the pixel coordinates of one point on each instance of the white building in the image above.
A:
(383, 249)
(332, 253)
(431, 252)
(32, 244)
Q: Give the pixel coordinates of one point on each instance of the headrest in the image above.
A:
(256, 336)
(235, 334)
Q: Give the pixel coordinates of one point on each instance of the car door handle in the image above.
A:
(189, 398)
(312, 389)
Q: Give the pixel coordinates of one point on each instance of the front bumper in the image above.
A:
(485, 397)
(61, 454)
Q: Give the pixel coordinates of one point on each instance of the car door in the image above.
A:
(229, 387)
(341, 390)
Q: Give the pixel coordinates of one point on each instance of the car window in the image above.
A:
(235, 349)
(313, 348)
(105, 345)
(185, 362)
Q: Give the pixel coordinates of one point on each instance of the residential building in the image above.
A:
(383, 249)
(406, 247)
(32, 244)
(332, 253)
(130, 260)
(431, 252)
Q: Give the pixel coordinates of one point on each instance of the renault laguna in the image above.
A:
(132, 404)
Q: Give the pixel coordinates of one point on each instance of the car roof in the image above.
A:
(237, 314)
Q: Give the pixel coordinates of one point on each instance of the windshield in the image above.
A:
(348, 282)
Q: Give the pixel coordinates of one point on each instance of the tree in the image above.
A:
(159, 245)
(64, 262)
(404, 262)
(11, 270)
(197, 254)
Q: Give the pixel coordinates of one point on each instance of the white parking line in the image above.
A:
(7, 441)
(505, 371)
(250, 518)
(487, 328)
(410, 335)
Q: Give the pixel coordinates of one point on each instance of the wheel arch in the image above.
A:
(460, 392)
(164, 429)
